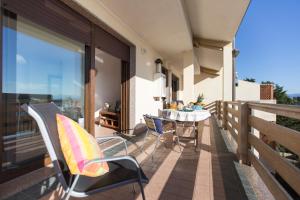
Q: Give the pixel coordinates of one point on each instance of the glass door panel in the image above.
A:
(38, 66)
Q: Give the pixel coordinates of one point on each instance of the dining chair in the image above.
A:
(155, 126)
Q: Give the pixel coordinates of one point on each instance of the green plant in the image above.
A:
(200, 98)
(252, 80)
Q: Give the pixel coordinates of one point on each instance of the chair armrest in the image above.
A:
(114, 138)
(169, 120)
(114, 158)
(123, 131)
(165, 119)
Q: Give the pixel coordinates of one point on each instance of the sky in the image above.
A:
(45, 69)
(269, 43)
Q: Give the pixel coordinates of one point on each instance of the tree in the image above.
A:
(282, 98)
(252, 80)
(281, 95)
(267, 82)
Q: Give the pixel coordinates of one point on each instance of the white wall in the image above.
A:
(108, 79)
(247, 91)
(227, 73)
(188, 76)
(211, 86)
(215, 86)
(141, 85)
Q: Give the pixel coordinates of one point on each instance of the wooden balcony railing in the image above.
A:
(239, 120)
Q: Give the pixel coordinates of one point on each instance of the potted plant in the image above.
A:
(200, 99)
(198, 105)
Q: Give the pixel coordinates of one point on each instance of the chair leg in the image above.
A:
(196, 137)
(142, 191)
(157, 142)
(133, 188)
(71, 188)
(178, 142)
(144, 141)
(141, 185)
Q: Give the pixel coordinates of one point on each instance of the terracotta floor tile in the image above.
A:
(205, 174)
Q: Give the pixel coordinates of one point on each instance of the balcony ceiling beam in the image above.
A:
(211, 44)
(210, 71)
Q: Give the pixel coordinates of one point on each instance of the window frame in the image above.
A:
(43, 160)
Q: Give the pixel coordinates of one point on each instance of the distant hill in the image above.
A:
(294, 95)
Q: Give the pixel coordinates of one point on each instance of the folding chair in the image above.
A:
(123, 170)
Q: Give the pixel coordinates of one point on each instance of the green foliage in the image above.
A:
(267, 82)
(288, 122)
(281, 96)
(252, 80)
(200, 98)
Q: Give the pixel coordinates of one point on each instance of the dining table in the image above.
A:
(190, 118)
(186, 116)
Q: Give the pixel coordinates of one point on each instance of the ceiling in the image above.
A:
(216, 19)
(162, 23)
(170, 26)
(209, 58)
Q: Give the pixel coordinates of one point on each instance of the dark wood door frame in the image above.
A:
(125, 95)
(1, 112)
(89, 87)
(176, 88)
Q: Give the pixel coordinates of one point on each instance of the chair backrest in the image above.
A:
(180, 101)
(45, 116)
(154, 124)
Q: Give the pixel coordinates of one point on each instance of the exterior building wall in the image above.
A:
(227, 73)
(266, 91)
(141, 84)
(247, 91)
(188, 76)
(218, 86)
(211, 86)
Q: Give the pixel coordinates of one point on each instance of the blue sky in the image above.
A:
(269, 43)
(45, 69)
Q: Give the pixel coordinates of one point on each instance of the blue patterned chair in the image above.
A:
(155, 127)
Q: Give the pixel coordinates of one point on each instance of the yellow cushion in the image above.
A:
(79, 147)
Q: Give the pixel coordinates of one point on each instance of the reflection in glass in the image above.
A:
(38, 66)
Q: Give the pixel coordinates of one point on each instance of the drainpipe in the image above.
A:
(235, 53)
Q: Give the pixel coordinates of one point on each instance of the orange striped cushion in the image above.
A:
(79, 147)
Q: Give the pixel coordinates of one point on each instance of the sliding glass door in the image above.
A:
(38, 65)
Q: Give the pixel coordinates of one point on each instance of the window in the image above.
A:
(39, 65)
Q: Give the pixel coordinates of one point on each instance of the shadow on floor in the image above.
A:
(173, 175)
(226, 181)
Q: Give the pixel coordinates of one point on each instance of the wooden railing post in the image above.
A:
(244, 129)
(225, 113)
(219, 109)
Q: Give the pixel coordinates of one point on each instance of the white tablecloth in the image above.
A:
(197, 115)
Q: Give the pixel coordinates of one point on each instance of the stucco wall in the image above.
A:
(215, 86)
(141, 84)
(210, 86)
(227, 73)
(247, 91)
